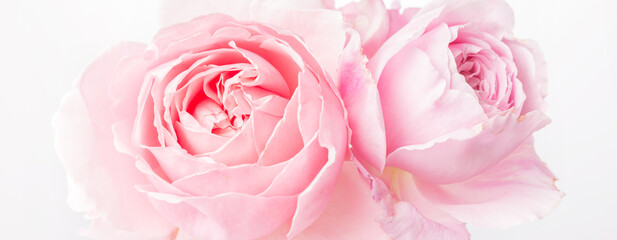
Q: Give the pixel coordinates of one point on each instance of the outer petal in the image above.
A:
(519, 188)
(531, 72)
(454, 160)
(361, 98)
(350, 214)
(403, 220)
(104, 177)
(219, 217)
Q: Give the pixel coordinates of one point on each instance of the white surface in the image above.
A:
(44, 45)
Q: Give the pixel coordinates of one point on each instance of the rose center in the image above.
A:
(225, 113)
(471, 69)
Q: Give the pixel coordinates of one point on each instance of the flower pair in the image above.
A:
(266, 119)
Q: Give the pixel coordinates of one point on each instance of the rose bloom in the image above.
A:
(221, 128)
(461, 98)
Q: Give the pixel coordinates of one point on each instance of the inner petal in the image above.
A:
(210, 115)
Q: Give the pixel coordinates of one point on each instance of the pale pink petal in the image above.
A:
(324, 36)
(95, 83)
(310, 105)
(299, 171)
(350, 214)
(220, 217)
(361, 97)
(240, 149)
(104, 177)
(333, 135)
(269, 77)
(531, 72)
(518, 189)
(454, 160)
(185, 216)
(177, 163)
(285, 140)
(435, 102)
(402, 219)
(411, 31)
(406, 222)
(248, 179)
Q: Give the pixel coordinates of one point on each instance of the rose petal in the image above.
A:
(402, 219)
(435, 103)
(518, 189)
(177, 163)
(360, 95)
(455, 160)
(350, 214)
(531, 72)
(324, 37)
(286, 140)
(248, 179)
(411, 31)
(333, 135)
(219, 217)
(104, 176)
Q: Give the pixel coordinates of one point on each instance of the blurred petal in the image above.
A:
(104, 177)
(399, 18)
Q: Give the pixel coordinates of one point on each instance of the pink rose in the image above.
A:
(219, 129)
(460, 99)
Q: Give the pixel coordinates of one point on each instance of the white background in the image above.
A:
(45, 44)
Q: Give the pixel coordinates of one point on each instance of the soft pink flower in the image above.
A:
(460, 99)
(222, 128)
